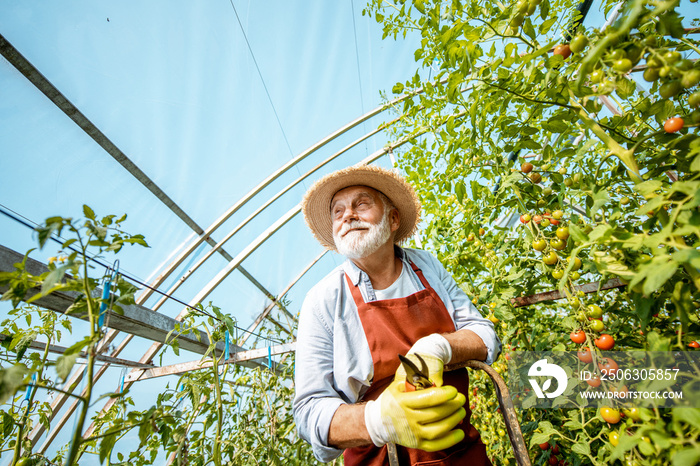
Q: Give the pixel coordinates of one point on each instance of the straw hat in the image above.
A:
(316, 204)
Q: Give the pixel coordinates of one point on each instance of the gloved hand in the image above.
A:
(435, 351)
(422, 419)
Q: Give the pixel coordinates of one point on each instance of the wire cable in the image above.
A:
(32, 225)
(250, 49)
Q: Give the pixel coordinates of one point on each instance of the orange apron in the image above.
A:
(392, 326)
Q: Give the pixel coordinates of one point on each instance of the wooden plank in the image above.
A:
(180, 368)
(554, 295)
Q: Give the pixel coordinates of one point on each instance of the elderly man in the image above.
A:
(351, 390)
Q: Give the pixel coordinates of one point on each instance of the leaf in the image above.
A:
(460, 191)
(690, 416)
(64, 365)
(88, 212)
(11, 379)
(581, 448)
(648, 187)
(662, 272)
(601, 232)
(106, 446)
(539, 437)
(688, 457)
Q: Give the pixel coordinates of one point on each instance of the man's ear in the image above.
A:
(395, 219)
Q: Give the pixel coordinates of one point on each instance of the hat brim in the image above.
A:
(316, 204)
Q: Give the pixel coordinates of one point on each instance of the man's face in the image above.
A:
(360, 223)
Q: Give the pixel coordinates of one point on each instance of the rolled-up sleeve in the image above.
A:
(316, 399)
(467, 316)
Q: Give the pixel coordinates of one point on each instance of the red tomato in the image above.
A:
(585, 355)
(555, 450)
(694, 344)
(553, 460)
(594, 381)
(605, 342)
(545, 446)
(537, 218)
(673, 125)
(608, 366)
(578, 337)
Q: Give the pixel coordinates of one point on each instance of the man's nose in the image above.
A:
(349, 214)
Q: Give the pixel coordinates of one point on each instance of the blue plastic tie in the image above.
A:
(269, 357)
(226, 351)
(103, 305)
(29, 388)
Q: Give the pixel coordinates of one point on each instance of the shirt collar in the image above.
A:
(356, 274)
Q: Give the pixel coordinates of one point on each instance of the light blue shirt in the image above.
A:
(333, 360)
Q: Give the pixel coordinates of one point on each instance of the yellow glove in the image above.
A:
(434, 366)
(424, 419)
(435, 351)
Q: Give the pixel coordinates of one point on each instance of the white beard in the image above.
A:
(359, 244)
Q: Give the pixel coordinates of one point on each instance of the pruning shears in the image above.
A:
(416, 379)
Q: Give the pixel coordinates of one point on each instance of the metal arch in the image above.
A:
(229, 235)
(267, 310)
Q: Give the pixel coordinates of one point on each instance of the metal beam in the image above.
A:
(236, 358)
(267, 310)
(56, 349)
(49, 90)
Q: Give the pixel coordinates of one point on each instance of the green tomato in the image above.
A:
(694, 99)
(557, 274)
(617, 54)
(690, 78)
(597, 325)
(672, 57)
(622, 65)
(651, 74)
(670, 89)
(597, 76)
(595, 311)
(578, 43)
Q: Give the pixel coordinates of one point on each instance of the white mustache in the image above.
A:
(353, 225)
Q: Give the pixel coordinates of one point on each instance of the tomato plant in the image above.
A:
(628, 192)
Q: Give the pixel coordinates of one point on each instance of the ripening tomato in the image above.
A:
(557, 274)
(526, 167)
(578, 337)
(558, 244)
(537, 218)
(633, 413)
(577, 263)
(614, 438)
(545, 222)
(563, 49)
(609, 414)
(539, 244)
(551, 258)
(535, 178)
(562, 232)
(605, 342)
(673, 125)
(558, 214)
(525, 218)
